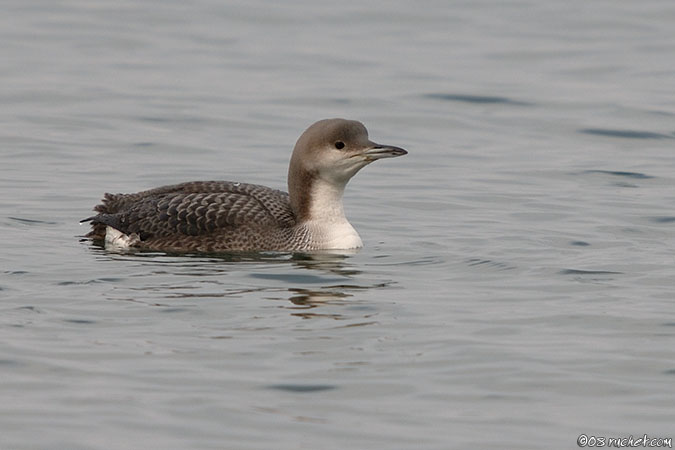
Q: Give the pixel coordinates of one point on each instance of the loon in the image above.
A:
(224, 216)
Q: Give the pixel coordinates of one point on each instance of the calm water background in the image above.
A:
(517, 282)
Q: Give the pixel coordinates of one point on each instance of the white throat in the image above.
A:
(328, 226)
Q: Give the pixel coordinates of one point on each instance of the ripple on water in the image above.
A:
(663, 219)
(588, 272)
(302, 388)
(30, 308)
(80, 321)
(87, 282)
(31, 221)
(487, 263)
(295, 278)
(10, 363)
(424, 261)
(619, 173)
(476, 99)
(625, 134)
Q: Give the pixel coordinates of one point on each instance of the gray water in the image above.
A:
(517, 282)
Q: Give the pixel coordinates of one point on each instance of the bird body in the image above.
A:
(222, 216)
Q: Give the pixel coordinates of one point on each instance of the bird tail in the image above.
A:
(110, 204)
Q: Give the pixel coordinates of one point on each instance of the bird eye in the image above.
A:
(339, 145)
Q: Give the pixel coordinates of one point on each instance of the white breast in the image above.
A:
(333, 235)
(328, 228)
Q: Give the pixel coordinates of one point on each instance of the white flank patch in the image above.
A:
(116, 240)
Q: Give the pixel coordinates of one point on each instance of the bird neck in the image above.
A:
(322, 216)
(315, 199)
(325, 202)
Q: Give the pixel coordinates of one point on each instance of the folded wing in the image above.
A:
(192, 209)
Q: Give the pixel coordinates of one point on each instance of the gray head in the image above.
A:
(330, 152)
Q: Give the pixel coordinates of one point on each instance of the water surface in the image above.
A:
(516, 285)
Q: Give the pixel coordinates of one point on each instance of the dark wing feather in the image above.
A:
(192, 209)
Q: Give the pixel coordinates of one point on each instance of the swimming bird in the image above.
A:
(222, 216)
